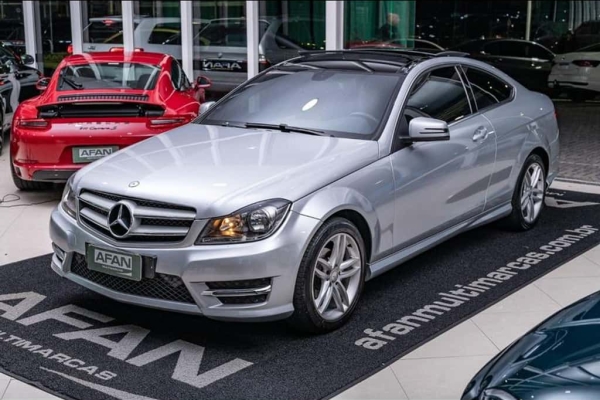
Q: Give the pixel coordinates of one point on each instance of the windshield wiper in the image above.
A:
(69, 81)
(73, 84)
(285, 128)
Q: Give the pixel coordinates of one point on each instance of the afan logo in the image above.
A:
(95, 153)
(119, 261)
(220, 66)
(189, 361)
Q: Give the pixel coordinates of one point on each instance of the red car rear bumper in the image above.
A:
(47, 154)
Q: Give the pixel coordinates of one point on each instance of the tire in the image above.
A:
(24, 185)
(306, 316)
(523, 218)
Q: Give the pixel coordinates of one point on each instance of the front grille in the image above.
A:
(162, 286)
(158, 222)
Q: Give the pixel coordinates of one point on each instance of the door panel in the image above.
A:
(440, 184)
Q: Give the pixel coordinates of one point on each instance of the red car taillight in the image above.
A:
(33, 123)
(586, 63)
(166, 121)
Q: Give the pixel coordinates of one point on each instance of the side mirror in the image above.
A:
(202, 82)
(427, 130)
(42, 84)
(27, 59)
(205, 106)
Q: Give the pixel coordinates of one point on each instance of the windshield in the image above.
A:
(109, 75)
(341, 103)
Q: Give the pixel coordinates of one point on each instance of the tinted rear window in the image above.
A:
(110, 75)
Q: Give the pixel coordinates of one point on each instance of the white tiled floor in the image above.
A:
(438, 370)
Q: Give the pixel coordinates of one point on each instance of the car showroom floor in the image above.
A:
(440, 369)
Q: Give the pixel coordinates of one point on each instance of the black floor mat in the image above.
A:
(96, 348)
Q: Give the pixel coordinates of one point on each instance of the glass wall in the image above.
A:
(56, 33)
(12, 31)
(220, 45)
(158, 27)
(103, 25)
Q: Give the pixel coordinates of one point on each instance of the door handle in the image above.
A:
(480, 133)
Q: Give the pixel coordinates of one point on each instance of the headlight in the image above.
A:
(251, 223)
(69, 201)
(496, 394)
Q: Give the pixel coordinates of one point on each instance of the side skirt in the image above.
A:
(414, 250)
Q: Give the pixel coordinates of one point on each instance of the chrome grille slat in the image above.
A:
(155, 222)
(97, 201)
(146, 230)
(149, 212)
(94, 217)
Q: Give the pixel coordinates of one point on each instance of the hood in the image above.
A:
(218, 170)
(561, 355)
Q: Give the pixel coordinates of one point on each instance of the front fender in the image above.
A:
(367, 192)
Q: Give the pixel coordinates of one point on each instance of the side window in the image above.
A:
(439, 94)
(176, 75)
(506, 48)
(487, 89)
(537, 51)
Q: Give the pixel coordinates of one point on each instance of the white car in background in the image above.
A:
(577, 73)
(157, 35)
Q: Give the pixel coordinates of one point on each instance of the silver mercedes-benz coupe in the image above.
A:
(317, 175)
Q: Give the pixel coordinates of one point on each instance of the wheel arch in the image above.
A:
(345, 203)
(540, 151)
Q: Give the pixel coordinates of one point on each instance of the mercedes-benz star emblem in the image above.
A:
(134, 184)
(120, 220)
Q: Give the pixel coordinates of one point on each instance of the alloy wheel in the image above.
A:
(336, 276)
(532, 192)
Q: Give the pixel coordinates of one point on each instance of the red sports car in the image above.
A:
(93, 105)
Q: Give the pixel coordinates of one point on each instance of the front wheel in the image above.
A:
(528, 197)
(330, 278)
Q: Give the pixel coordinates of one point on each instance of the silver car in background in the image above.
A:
(317, 175)
(220, 48)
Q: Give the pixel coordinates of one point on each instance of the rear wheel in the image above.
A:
(25, 185)
(528, 197)
(330, 279)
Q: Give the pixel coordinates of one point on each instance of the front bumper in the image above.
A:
(277, 257)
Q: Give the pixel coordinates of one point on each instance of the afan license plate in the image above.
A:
(116, 263)
(89, 154)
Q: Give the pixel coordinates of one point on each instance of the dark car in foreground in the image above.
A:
(529, 63)
(559, 359)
